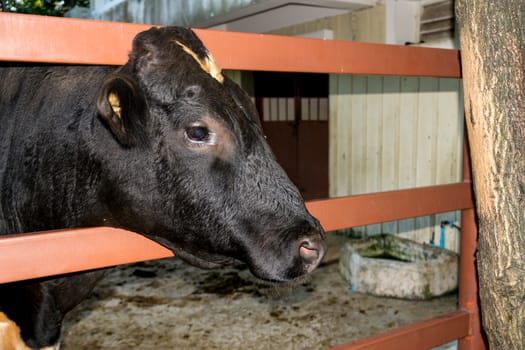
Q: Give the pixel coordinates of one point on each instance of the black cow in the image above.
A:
(165, 146)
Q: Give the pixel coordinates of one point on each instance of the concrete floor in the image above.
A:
(167, 304)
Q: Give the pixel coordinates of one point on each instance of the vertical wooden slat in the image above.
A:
(323, 109)
(266, 109)
(313, 107)
(333, 126)
(450, 126)
(448, 149)
(290, 109)
(407, 151)
(373, 129)
(390, 140)
(340, 130)
(281, 109)
(274, 109)
(426, 135)
(357, 127)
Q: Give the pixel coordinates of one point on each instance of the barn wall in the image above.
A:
(390, 133)
(365, 25)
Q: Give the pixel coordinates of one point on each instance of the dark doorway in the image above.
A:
(294, 113)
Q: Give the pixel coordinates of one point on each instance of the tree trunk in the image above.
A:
(492, 37)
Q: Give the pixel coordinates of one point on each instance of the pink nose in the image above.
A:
(312, 250)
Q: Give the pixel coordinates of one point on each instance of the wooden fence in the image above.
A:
(25, 38)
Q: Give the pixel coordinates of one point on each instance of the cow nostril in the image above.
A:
(308, 254)
(310, 251)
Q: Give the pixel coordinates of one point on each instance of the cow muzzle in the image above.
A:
(285, 255)
(305, 251)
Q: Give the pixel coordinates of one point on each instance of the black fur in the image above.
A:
(66, 160)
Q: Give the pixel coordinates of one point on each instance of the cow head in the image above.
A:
(196, 173)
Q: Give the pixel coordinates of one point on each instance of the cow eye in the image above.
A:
(199, 134)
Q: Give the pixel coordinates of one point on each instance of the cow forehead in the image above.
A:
(207, 63)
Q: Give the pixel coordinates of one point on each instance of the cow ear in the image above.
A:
(121, 104)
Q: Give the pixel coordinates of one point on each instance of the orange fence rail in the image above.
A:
(61, 40)
(91, 248)
(25, 38)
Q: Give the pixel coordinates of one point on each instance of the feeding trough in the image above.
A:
(387, 265)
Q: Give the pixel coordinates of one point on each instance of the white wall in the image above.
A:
(392, 133)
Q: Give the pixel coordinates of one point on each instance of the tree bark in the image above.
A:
(492, 36)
